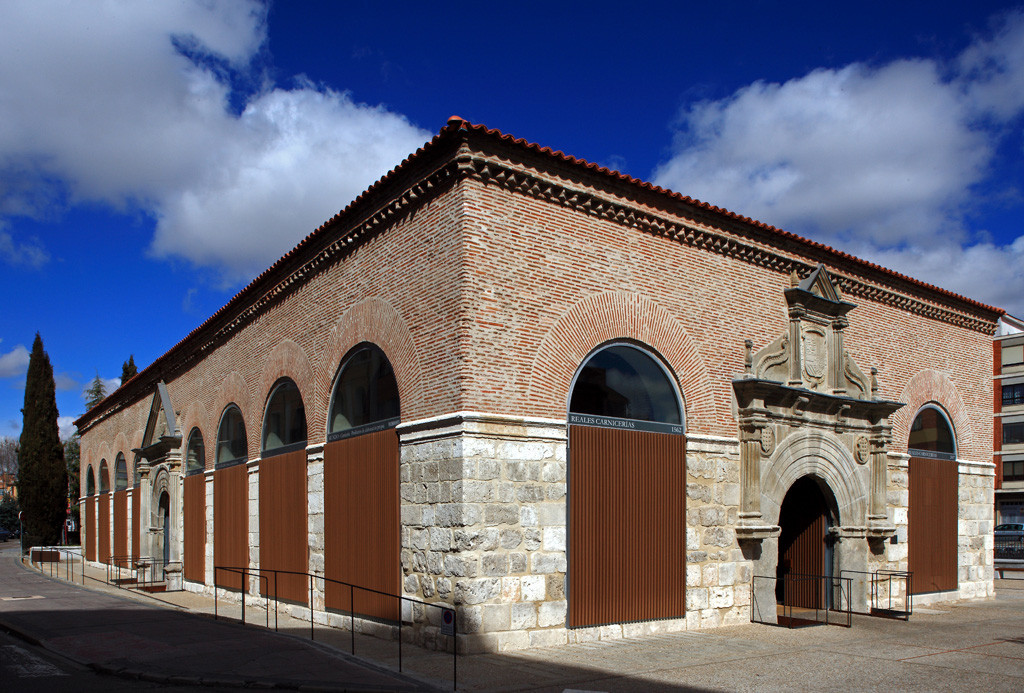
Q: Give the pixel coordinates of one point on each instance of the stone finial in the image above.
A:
(794, 279)
(874, 383)
(748, 356)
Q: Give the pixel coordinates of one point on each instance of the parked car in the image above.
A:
(1010, 531)
(4, 534)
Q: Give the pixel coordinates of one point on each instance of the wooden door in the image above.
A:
(627, 526)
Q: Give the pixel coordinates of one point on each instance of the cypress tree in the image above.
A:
(42, 476)
(128, 369)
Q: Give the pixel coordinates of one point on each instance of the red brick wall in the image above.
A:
(546, 284)
(487, 299)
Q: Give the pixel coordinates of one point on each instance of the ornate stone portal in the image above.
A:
(158, 465)
(806, 409)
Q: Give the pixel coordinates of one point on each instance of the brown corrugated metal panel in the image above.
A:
(230, 523)
(284, 534)
(90, 528)
(804, 521)
(195, 527)
(932, 531)
(627, 526)
(103, 529)
(136, 524)
(361, 522)
(121, 524)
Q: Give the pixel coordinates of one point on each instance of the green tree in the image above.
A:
(9, 512)
(95, 393)
(42, 476)
(128, 369)
(73, 460)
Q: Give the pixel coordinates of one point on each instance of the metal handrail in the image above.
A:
(844, 585)
(887, 576)
(68, 570)
(447, 613)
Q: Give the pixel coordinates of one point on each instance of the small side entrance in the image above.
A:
(803, 575)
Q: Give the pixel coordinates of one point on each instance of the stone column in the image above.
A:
(850, 552)
(750, 473)
(837, 358)
(796, 376)
(145, 492)
(878, 518)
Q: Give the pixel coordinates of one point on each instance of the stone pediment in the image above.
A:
(162, 433)
(810, 353)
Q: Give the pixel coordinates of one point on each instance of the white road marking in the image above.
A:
(27, 665)
(18, 599)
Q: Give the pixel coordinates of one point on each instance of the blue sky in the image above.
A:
(154, 157)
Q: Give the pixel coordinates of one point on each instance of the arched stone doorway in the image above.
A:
(164, 514)
(806, 517)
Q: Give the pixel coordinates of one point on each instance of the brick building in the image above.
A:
(1009, 419)
(567, 402)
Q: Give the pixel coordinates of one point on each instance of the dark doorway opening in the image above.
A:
(805, 548)
(165, 515)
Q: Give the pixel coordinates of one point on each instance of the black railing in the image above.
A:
(52, 556)
(802, 594)
(884, 599)
(120, 564)
(1009, 549)
(447, 614)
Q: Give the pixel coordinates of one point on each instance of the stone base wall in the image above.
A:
(718, 575)
(975, 526)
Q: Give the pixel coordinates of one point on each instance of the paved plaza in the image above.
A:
(172, 637)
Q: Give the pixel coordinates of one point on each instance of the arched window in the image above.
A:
(232, 446)
(623, 381)
(284, 423)
(931, 435)
(104, 477)
(120, 473)
(365, 396)
(195, 453)
(90, 481)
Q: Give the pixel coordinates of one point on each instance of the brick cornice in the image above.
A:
(723, 242)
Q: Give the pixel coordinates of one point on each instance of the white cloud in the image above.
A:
(28, 253)
(66, 426)
(66, 381)
(14, 363)
(884, 161)
(134, 108)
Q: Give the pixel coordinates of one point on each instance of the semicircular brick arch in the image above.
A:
(378, 322)
(121, 446)
(934, 387)
(195, 416)
(605, 317)
(289, 360)
(234, 390)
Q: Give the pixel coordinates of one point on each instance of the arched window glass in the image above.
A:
(625, 382)
(195, 453)
(90, 481)
(931, 435)
(365, 394)
(232, 445)
(104, 477)
(120, 473)
(284, 424)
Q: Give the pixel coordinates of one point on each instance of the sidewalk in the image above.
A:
(967, 646)
(113, 633)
